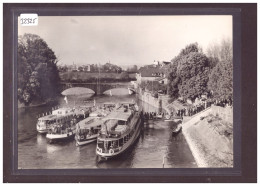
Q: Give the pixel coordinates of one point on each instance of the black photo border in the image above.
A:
(245, 90)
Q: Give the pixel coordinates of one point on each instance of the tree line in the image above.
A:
(193, 73)
(38, 77)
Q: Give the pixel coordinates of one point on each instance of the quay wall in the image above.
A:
(224, 113)
(206, 137)
(161, 102)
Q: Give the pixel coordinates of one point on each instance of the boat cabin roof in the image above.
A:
(89, 122)
(108, 103)
(123, 116)
(50, 117)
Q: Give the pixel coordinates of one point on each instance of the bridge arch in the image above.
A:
(77, 91)
(96, 88)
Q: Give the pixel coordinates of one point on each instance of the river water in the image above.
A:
(154, 144)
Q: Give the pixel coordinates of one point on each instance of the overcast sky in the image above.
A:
(126, 40)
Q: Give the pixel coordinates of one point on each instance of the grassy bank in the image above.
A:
(210, 138)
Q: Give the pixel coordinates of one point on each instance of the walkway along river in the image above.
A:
(155, 144)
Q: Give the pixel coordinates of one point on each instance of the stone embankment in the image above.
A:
(210, 136)
(147, 97)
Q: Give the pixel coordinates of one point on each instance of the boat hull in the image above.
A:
(60, 137)
(86, 141)
(42, 131)
(177, 131)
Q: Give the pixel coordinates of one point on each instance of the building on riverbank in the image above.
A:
(155, 72)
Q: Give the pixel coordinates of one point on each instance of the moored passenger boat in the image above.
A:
(102, 111)
(65, 127)
(120, 130)
(87, 130)
(44, 123)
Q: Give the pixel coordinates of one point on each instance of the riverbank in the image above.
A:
(210, 137)
(159, 102)
(36, 103)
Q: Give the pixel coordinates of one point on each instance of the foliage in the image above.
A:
(221, 80)
(220, 52)
(221, 77)
(132, 69)
(38, 76)
(189, 73)
(108, 67)
(124, 76)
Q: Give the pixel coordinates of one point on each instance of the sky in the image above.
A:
(127, 40)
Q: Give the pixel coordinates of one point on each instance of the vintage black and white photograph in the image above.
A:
(102, 92)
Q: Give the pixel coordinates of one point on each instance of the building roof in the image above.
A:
(150, 71)
(160, 78)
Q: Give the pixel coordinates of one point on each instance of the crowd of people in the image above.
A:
(194, 109)
(152, 115)
(190, 110)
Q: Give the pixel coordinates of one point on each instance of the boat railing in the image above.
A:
(110, 150)
(59, 131)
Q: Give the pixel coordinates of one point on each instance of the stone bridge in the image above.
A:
(98, 88)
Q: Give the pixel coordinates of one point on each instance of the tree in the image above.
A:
(132, 69)
(38, 76)
(220, 52)
(188, 74)
(193, 71)
(194, 47)
(124, 76)
(226, 50)
(221, 77)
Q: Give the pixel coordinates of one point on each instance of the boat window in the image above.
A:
(95, 131)
(100, 144)
(115, 144)
(121, 142)
(120, 122)
(109, 144)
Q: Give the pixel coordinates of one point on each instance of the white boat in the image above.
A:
(65, 127)
(120, 130)
(87, 130)
(44, 123)
(102, 110)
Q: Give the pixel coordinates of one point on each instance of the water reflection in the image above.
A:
(41, 139)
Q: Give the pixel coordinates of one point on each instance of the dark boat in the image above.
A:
(177, 129)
